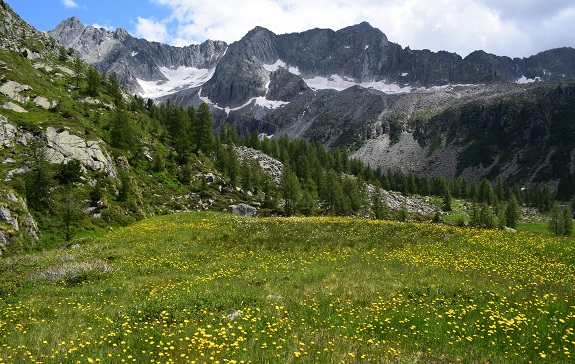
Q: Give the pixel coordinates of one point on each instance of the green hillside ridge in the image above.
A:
(212, 287)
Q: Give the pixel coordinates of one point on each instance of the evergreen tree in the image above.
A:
(308, 202)
(233, 165)
(291, 191)
(499, 189)
(125, 190)
(96, 193)
(122, 132)
(39, 179)
(567, 222)
(70, 210)
(485, 192)
(203, 136)
(556, 222)
(69, 172)
(270, 192)
(379, 204)
(512, 212)
(486, 217)
(93, 82)
(114, 89)
(332, 194)
(403, 213)
(78, 68)
(446, 200)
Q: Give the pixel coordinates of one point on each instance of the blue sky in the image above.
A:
(516, 28)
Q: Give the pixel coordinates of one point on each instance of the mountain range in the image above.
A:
(431, 113)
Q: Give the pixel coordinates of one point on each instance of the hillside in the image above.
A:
(78, 154)
(197, 286)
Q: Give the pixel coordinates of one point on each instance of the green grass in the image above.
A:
(540, 227)
(207, 287)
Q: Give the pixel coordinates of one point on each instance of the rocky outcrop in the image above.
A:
(8, 133)
(284, 85)
(65, 146)
(14, 90)
(61, 146)
(242, 210)
(267, 163)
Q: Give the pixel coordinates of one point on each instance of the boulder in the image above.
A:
(242, 209)
(13, 89)
(12, 106)
(44, 103)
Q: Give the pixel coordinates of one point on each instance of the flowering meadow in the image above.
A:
(215, 288)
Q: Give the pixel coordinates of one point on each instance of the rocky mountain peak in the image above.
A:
(121, 34)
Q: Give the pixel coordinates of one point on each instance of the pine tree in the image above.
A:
(291, 192)
(446, 200)
(556, 223)
(486, 217)
(512, 212)
(70, 210)
(379, 204)
(203, 136)
(125, 190)
(233, 165)
(270, 191)
(93, 82)
(78, 66)
(39, 179)
(567, 222)
(114, 89)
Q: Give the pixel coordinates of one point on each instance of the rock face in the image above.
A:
(131, 58)
(363, 54)
(61, 146)
(15, 220)
(242, 210)
(65, 146)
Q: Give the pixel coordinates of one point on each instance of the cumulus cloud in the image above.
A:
(151, 30)
(504, 27)
(70, 3)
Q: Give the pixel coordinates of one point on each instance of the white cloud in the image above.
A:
(462, 26)
(70, 3)
(151, 30)
(110, 28)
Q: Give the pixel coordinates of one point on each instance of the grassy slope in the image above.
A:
(306, 290)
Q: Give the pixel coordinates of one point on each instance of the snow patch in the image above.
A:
(339, 83)
(404, 74)
(134, 53)
(178, 79)
(279, 63)
(274, 67)
(259, 101)
(524, 79)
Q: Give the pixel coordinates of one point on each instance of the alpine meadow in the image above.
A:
(315, 197)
